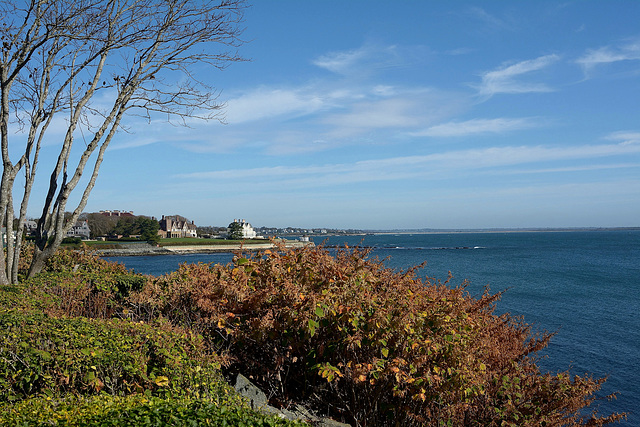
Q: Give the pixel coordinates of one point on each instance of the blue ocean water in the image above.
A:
(583, 285)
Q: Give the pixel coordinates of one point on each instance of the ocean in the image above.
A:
(584, 285)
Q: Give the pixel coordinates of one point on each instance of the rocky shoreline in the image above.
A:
(145, 249)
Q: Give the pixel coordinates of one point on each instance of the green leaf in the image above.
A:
(312, 326)
(161, 381)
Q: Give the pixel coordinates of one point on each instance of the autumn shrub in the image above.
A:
(370, 345)
(46, 356)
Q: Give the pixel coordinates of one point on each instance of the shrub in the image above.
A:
(40, 355)
(70, 259)
(25, 298)
(83, 260)
(138, 410)
(72, 241)
(76, 283)
(82, 294)
(370, 345)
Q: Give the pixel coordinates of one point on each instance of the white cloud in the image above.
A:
(406, 108)
(266, 102)
(369, 58)
(505, 79)
(409, 167)
(395, 112)
(625, 137)
(608, 54)
(325, 115)
(570, 169)
(343, 62)
(129, 142)
(476, 126)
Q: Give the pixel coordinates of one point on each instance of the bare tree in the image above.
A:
(142, 57)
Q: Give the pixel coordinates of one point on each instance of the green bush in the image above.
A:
(75, 283)
(83, 260)
(57, 370)
(72, 241)
(137, 410)
(370, 345)
(26, 298)
(41, 355)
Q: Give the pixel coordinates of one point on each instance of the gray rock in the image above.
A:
(256, 397)
(259, 402)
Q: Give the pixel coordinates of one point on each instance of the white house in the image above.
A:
(247, 230)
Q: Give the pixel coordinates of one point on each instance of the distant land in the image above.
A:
(296, 231)
(500, 230)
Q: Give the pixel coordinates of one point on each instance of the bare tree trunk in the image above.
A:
(10, 236)
(55, 59)
(7, 183)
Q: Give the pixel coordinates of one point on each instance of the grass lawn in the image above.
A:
(187, 241)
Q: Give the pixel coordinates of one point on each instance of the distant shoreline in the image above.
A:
(148, 250)
(500, 230)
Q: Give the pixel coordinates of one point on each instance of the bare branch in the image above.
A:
(143, 56)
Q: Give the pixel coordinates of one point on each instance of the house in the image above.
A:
(117, 213)
(176, 226)
(247, 230)
(80, 229)
(30, 227)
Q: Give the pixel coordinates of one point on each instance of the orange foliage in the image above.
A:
(367, 344)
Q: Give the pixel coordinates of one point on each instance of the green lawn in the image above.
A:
(186, 241)
(206, 242)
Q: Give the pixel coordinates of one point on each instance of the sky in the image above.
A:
(404, 115)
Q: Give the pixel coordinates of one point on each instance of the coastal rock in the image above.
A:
(256, 397)
(137, 249)
(134, 249)
(259, 402)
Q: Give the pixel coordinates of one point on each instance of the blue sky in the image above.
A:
(411, 114)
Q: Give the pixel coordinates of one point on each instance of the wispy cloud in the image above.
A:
(584, 168)
(263, 102)
(410, 167)
(477, 126)
(507, 79)
(387, 113)
(609, 54)
(625, 137)
(404, 109)
(491, 20)
(370, 58)
(325, 115)
(124, 143)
